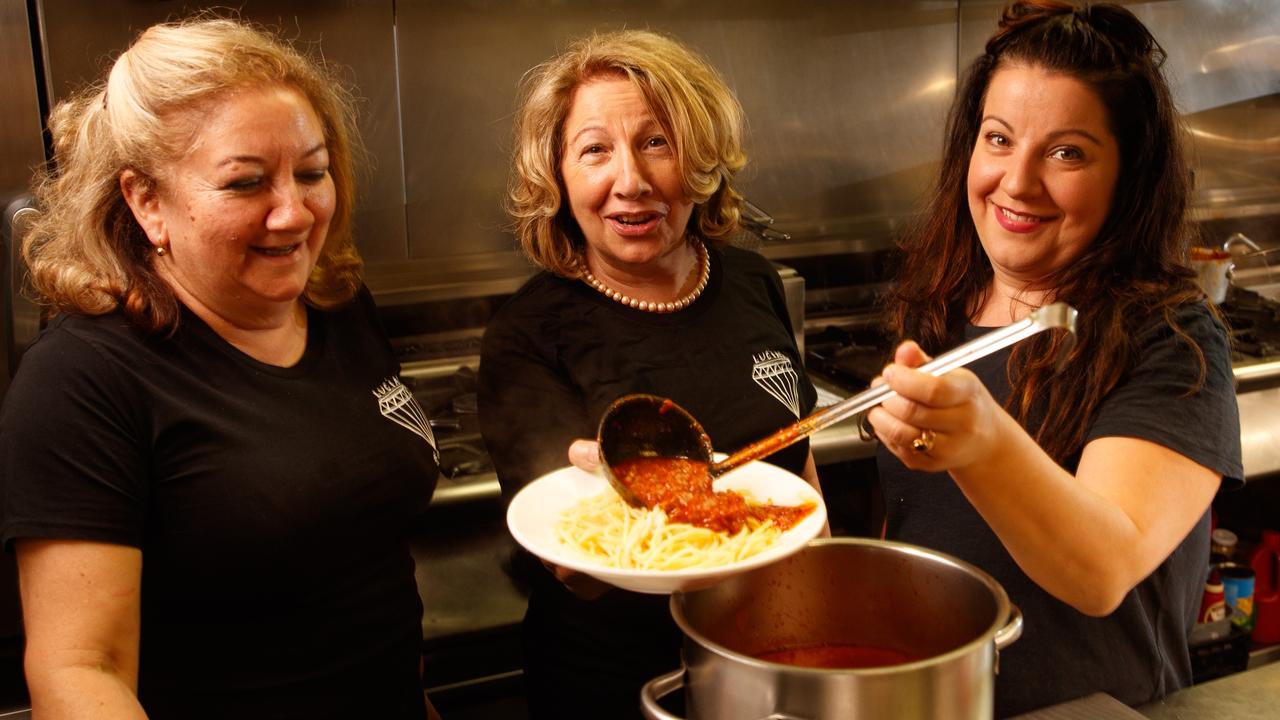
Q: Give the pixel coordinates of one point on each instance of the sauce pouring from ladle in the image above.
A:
(648, 426)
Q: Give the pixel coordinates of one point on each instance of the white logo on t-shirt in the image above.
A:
(397, 404)
(773, 371)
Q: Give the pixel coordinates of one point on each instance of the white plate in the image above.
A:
(536, 509)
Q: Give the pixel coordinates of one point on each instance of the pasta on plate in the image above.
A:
(617, 535)
(556, 517)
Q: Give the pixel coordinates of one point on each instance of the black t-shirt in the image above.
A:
(553, 359)
(1139, 652)
(559, 352)
(271, 506)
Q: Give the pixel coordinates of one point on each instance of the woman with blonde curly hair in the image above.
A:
(212, 394)
(627, 147)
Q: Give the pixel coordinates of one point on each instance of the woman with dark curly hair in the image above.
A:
(1085, 491)
(209, 466)
(622, 190)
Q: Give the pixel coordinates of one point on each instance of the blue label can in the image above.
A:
(1237, 591)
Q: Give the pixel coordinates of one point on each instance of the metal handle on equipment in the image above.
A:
(664, 685)
(1011, 631)
(657, 688)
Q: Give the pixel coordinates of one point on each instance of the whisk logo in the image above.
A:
(396, 403)
(773, 371)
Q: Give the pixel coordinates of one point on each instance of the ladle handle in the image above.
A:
(1054, 315)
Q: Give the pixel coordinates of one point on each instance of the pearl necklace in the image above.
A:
(656, 307)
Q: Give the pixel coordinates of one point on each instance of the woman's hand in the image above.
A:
(582, 585)
(1061, 528)
(935, 423)
(585, 455)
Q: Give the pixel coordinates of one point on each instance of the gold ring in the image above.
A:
(924, 443)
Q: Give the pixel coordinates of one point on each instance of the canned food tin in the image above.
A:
(1237, 591)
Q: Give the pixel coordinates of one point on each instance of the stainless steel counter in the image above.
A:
(1260, 433)
(1250, 695)
(1099, 706)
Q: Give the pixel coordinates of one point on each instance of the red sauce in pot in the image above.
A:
(836, 656)
(682, 488)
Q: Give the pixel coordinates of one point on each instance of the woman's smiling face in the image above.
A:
(1042, 173)
(622, 176)
(246, 211)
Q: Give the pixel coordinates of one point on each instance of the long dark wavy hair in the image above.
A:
(1135, 268)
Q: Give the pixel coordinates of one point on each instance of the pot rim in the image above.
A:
(1004, 614)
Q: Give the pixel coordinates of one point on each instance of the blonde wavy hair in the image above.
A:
(687, 97)
(87, 254)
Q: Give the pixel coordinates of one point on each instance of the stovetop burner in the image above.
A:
(1254, 322)
(450, 404)
(848, 355)
(437, 346)
(850, 350)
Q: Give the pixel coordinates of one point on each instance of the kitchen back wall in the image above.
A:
(845, 103)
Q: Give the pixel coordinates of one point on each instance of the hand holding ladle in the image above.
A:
(647, 426)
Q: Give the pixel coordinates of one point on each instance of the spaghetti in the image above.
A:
(618, 535)
(685, 523)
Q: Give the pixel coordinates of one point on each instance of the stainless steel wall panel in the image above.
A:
(845, 105)
(82, 38)
(1224, 63)
(21, 146)
(1220, 51)
(21, 152)
(1224, 68)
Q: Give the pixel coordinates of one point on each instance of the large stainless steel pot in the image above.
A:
(849, 591)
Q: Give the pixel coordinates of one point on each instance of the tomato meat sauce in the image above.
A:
(836, 656)
(682, 488)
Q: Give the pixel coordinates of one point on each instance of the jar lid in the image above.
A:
(1223, 537)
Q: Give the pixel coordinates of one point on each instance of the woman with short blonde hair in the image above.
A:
(687, 97)
(622, 190)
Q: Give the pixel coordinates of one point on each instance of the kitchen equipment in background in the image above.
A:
(825, 595)
(756, 221)
(1253, 267)
(1213, 272)
(1218, 647)
(21, 323)
(793, 296)
(1258, 272)
(1254, 324)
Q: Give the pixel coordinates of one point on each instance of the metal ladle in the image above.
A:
(646, 426)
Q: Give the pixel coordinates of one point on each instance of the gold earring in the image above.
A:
(160, 250)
